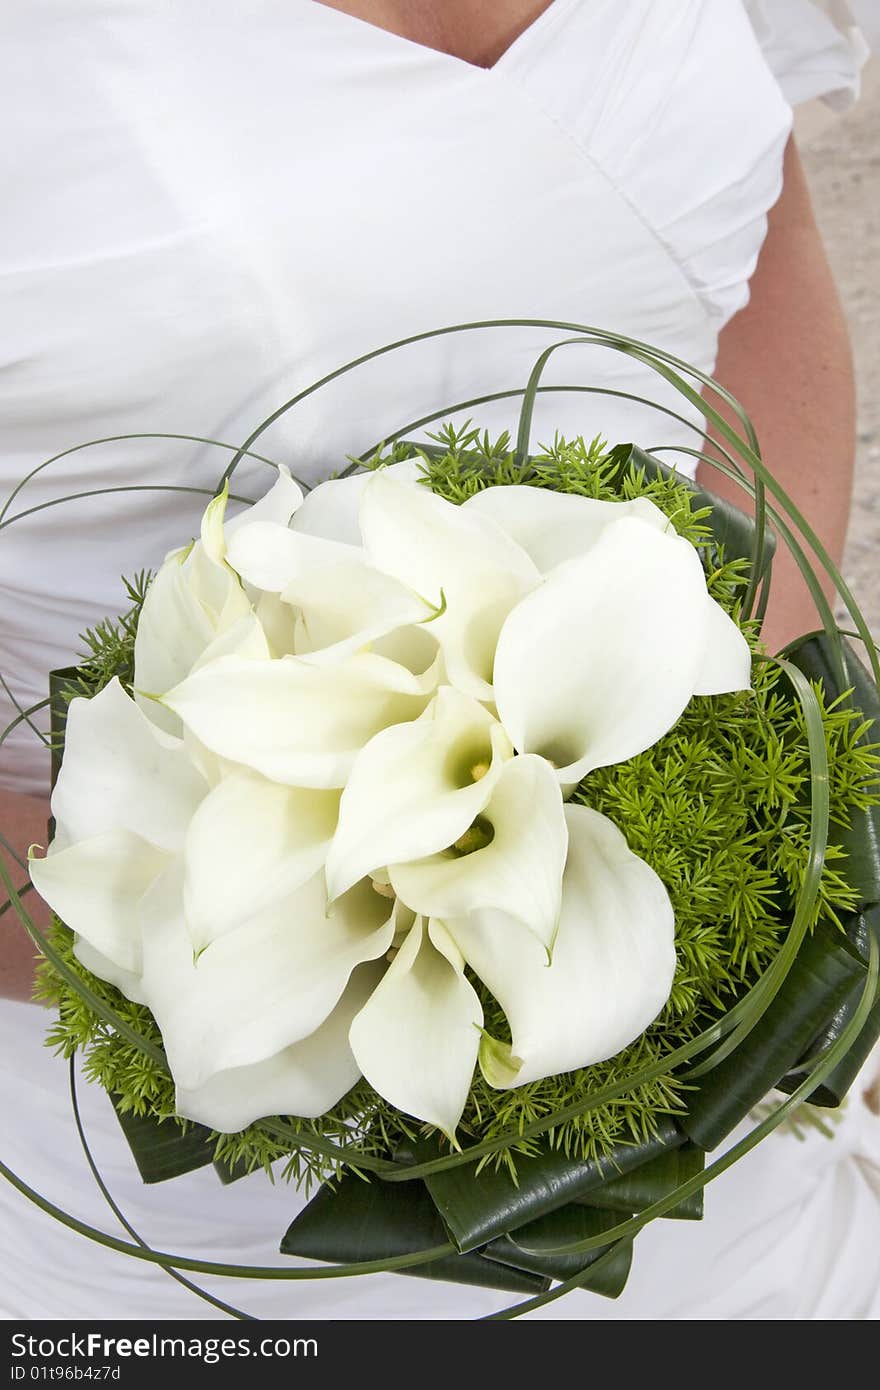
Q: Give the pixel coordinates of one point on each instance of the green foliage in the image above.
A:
(719, 808)
(110, 645)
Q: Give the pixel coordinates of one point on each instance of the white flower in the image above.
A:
(196, 608)
(209, 906)
(336, 811)
(417, 1038)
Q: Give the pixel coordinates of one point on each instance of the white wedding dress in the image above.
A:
(214, 204)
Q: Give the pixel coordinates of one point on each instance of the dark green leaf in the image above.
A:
(161, 1149)
(825, 971)
(230, 1172)
(567, 1223)
(357, 1220)
(651, 1181)
(861, 840)
(838, 1082)
(477, 1208)
(62, 685)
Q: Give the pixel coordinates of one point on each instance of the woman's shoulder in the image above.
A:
(686, 106)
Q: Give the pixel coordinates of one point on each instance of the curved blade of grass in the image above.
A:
(117, 439)
(126, 1225)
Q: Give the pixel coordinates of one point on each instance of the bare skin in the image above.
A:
(786, 356)
(476, 31)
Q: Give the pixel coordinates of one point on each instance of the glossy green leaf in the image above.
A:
(650, 1181)
(567, 1223)
(861, 839)
(825, 972)
(479, 1207)
(62, 685)
(356, 1220)
(161, 1149)
(859, 929)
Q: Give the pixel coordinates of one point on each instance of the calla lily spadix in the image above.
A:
(511, 858)
(331, 823)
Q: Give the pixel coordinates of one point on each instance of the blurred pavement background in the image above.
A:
(841, 155)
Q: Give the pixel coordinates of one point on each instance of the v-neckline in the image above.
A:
(547, 15)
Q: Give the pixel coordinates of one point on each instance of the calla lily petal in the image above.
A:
(271, 557)
(191, 601)
(416, 1039)
(305, 1079)
(332, 509)
(250, 844)
(292, 720)
(415, 648)
(553, 526)
(415, 788)
(448, 555)
(344, 607)
(121, 772)
(599, 663)
(727, 661)
(212, 533)
(278, 621)
(128, 982)
(96, 886)
(245, 638)
(261, 988)
(519, 871)
(612, 967)
(284, 497)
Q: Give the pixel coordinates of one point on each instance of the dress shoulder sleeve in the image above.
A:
(816, 48)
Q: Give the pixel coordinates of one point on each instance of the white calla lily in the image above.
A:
(553, 526)
(513, 863)
(346, 607)
(246, 638)
(128, 982)
(96, 886)
(270, 556)
(305, 1079)
(451, 557)
(257, 990)
(600, 661)
(284, 498)
(726, 662)
(415, 788)
(193, 599)
(120, 772)
(332, 509)
(251, 843)
(612, 967)
(416, 1039)
(278, 621)
(293, 720)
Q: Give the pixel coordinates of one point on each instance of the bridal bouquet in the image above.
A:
(446, 834)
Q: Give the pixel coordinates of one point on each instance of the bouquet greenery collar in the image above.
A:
(449, 826)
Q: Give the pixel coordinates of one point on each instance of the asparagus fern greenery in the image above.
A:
(719, 808)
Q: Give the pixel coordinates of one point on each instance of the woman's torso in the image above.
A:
(217, 204)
